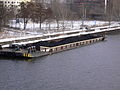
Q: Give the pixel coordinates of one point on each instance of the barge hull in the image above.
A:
(8, 54)
(69, 46)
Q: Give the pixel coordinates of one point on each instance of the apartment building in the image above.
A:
(9, 3)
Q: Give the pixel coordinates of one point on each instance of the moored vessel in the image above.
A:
(53, 44)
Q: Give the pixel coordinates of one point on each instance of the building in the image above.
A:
(46, 3)
(9, 3)
(41, 1)
(92, 8)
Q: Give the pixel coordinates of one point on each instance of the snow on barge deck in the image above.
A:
(41, 45)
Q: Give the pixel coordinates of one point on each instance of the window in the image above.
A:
(1, 1)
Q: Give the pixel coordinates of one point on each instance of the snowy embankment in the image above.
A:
(53, 25)
(33, 28)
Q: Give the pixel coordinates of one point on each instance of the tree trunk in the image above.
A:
(0, 25)
(40, 23)
(72, 22)
(57, 24)
(24, 24)
(49, 25)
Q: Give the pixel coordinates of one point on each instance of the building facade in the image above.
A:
(41, 1)
(9, 3)
(92, 8)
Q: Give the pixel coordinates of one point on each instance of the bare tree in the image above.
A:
(5, 15)
(55, 5)
(40, 13)
(61, 12)
(116, 10)
(49, 16)
(1, 15)
(25, 12)
(109, 12)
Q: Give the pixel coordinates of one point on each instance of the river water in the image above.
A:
(92, 67)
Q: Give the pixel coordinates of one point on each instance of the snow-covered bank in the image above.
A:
(33, 28)
(53, 25)
(65, 34)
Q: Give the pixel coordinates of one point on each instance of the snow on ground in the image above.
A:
(33, 28)
(53, 25)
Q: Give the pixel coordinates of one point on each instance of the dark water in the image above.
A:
(92, 67)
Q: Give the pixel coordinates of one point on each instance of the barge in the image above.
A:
(53, 44)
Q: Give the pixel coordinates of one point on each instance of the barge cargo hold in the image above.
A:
(41, 48)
